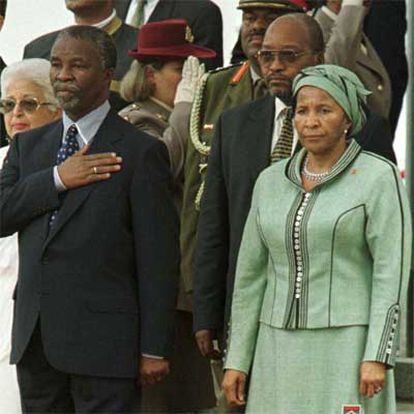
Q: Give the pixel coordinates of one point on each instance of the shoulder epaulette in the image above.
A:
(240, 73)
(223, 68)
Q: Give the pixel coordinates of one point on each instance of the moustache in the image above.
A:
(59, 86)
(256, 32)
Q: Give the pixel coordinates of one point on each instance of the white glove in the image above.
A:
(191, 75)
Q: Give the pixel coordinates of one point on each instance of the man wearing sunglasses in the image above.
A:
(98, 241)
(223, 89)
(247, 140)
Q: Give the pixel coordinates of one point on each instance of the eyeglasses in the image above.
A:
(284, 56)
(28, 105)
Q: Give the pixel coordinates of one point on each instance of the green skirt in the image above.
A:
(312, 372)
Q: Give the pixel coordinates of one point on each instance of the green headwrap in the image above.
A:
(340, 83)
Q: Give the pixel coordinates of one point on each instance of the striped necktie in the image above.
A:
(283, 147)
(69, 146)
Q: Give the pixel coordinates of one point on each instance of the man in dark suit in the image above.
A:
(98, 241)
(246, 137)
(100, 14)
(203, 17)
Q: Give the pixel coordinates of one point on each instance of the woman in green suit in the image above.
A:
(323, 266)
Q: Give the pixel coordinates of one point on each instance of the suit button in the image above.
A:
(45, 259)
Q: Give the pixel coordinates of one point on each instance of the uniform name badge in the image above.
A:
(351, 409)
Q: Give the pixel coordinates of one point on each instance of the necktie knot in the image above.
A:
(69, 146)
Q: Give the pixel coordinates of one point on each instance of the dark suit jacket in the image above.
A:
(240, 151)
(103, 280)
(203, 16)
(124, 38)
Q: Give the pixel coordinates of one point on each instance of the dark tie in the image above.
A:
(69, 146)
(259, 89)
(138, 19)
(283, 147)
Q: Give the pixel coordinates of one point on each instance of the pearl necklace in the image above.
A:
(311, 176)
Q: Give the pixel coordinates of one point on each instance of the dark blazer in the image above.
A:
(124, 38)
(103, 280)
(203, 17)
(240, 151)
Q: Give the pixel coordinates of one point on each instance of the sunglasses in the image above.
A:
(27, 105)
(284, 56)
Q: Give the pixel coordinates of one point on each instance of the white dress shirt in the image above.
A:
(148, 9)
(280, 113)
(87, 128)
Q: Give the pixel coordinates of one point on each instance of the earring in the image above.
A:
(345, 131)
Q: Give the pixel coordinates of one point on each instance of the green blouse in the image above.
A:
(338, 255)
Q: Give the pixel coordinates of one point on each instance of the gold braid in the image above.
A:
(200, 147)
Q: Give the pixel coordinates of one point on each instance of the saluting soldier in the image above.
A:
(220, 90)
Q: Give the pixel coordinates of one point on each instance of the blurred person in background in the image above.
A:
(390, 46)
(27, 102)
(348, 46)
(203, 17)
(161, 85)
(100, 14)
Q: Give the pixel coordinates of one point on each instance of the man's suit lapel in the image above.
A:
(259, 133)
(103, 142)
(163, 10)
(121, 7)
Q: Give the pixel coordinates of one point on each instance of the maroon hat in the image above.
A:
(168, 39)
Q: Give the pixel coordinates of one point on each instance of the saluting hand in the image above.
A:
(234, 385)
(372, 378)
(81, 169)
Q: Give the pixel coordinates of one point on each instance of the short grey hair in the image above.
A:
(135, 85)
(32, 70)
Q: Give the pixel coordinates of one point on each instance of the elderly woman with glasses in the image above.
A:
(323, 266)
(27, 102)
(27, 99)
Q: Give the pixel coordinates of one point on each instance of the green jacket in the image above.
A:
(337, 256)
(223, 89)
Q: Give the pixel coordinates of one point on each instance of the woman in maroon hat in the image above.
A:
(161, 85)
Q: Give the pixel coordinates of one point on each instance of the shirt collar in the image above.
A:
(280, 107)
(329, 13)
(88, 125)
(255, 76)
(105, 22)
(294, 165)
(162, 104)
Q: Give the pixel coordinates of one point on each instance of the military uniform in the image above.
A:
(220, 90)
